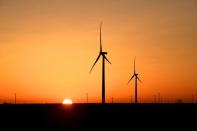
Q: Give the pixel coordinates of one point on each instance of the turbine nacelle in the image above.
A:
(103, 53)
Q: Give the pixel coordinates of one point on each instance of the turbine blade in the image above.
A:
(107, 59)
(101, 36)
(139, 79)
(95, 62)
(130, 79)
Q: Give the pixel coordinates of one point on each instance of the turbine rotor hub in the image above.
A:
(104, 53)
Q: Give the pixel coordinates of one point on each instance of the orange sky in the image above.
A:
(48, 47)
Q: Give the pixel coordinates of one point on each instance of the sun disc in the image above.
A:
(67, 101)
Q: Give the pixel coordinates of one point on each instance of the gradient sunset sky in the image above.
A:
(47, 48)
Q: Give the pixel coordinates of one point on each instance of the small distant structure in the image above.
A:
(112, 100)
(87, 97)
(5, 103)
(155, 98)
(196, 97)
(193, 95)
(15, 98)
(159, 98)
(179, 101)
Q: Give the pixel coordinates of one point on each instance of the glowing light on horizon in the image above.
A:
(67, 101)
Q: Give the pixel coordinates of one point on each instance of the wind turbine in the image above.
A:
(103, 55)
(135, 75)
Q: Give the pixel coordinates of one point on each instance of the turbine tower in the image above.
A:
(135, 75)
(103, 55)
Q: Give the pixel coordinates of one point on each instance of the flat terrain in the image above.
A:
(97, 116)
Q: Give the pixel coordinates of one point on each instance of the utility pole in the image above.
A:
(195, 101)
(193, 98)
(87, 97)
(159, 98)
(112, 100)
(15, 98)
(155, 99)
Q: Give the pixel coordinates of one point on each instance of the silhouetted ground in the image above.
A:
(98, 117)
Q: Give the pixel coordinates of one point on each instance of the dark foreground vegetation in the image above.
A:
(97, 117)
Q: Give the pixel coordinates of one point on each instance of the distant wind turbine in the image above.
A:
(135, 75)
(103, 54)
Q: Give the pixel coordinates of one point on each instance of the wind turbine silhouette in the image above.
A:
(102, 53)
(135, 75)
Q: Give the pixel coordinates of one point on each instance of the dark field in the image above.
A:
(97, 116)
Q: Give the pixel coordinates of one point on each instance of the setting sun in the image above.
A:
(67, 101)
